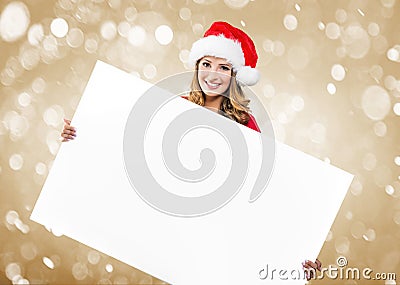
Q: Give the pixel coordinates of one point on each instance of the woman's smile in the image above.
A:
(212, 85)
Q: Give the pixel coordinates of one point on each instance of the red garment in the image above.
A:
(252, 124)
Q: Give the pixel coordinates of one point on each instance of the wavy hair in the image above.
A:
(234, 106)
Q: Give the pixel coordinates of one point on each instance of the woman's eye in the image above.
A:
(225, 68)
(206, 64)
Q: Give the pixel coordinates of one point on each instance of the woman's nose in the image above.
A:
(212, 74)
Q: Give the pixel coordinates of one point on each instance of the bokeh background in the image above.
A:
(330, 81)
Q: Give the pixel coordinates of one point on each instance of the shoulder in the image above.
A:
(252, 124)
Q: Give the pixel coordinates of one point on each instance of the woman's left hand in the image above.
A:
(311, 267)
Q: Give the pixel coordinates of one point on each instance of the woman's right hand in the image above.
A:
(69, 132)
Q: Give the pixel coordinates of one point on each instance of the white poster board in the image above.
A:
(88, 197)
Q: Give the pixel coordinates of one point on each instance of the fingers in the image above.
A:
(310, 268)
(69, 132)
(310, 264)
(68, 136)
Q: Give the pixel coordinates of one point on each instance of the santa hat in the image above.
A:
(225, 41)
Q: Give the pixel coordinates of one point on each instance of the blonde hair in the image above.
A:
(233, 106)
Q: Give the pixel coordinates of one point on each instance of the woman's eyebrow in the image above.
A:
(221, 64)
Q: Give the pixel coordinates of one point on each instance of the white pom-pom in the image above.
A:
(247, 76)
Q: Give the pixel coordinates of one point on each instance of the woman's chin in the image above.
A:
(212, 93)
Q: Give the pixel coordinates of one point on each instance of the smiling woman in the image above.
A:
(214, 75)
(214, 86)
(224, 60)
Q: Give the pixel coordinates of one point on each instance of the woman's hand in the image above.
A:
(310, 268)
(69, 132)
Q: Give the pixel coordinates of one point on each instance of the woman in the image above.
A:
(224, 59)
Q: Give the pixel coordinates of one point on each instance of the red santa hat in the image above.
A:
(225, 41)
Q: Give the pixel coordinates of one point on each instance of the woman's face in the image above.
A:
(214, 75)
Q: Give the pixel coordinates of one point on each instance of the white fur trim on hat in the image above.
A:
(247, 76)
(218, 46)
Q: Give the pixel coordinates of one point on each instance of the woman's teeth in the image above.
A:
(213, 85)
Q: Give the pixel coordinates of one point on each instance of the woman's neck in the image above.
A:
(213, 102)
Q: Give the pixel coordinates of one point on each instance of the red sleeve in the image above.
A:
(252, 124)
